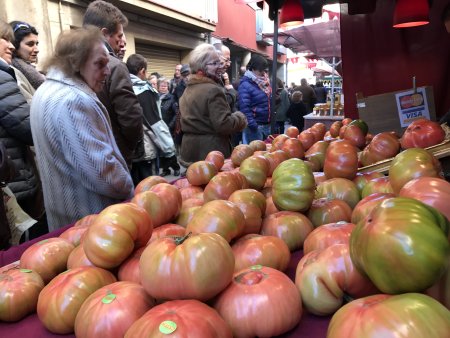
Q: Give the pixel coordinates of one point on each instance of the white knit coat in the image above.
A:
(82, 170)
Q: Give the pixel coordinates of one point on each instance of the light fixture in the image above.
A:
(291, 14)
(411, 13)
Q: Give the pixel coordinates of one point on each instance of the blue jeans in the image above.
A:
(261, 133)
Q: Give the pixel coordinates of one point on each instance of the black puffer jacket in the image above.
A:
(15, 133)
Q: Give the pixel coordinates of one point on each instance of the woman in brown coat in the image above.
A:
(206, 118)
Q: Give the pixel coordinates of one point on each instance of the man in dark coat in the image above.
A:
(117, 95)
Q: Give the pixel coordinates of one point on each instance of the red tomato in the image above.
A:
(362, 178)
(129, 269)
(171, 196)
(19, 292)
(47, 257)
(341, 160)
(253, 249)
(260, 302)
(240, 153)
(75, 233)
(198, 267)
(186, 215)
(306, 137)
(290, 226)
(78, 258)
(275, 158)
(422, 133)
(216, 158)
(324, 211)
(252, 203)
(148, 182)
(165, 230)
(180, 183)
(200, 172)
(334, 128)
(117, 231)
(219, 216)
(278, 142)
(432, 191)
(111, 310)
(324, 278)
(411, 315)
(258, 145)
(180, 318)
(61, 299)
(327, 235)
(191, 191)
(383, 146)
(377, 185)
(355, 136)
(271, 208)
(292, 131)
(365, 206)
(318, 129)
(410, 164)
(294, 148)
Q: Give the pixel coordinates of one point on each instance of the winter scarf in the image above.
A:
(262, 82)
(32, 74)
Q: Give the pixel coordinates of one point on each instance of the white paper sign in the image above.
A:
(412, 106)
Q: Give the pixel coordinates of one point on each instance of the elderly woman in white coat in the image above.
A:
(81, 167)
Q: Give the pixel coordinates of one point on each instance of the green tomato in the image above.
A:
(402, 245)
(293, 185)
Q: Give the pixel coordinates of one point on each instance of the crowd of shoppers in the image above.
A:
(93, 126)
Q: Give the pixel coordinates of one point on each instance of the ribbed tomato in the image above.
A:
(252, 203)
(341, 160)
(255, 169)
(324, 211)
(339, 188)
(198, 267)
(402, 245)
(200, 172)
(327, 235)
(216, 158)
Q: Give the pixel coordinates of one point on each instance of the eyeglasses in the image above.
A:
(19, 26)
(215, 63)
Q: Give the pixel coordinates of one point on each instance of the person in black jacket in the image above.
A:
(15, 129)
(297, 110)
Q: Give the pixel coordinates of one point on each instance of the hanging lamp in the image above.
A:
(411, 13)
(291, 14)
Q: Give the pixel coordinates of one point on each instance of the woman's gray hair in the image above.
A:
(201, 55)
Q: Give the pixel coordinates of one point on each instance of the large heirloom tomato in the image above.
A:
(323, 278)
(412, 163)
(260, 302)
(362, 178)
(383, 146)
(402, 245)
(410, 315)
(377, 185)
(215, 157)
(47, 257)
(129, 269)
(19, 292)
(111, 310)
(254, 249)
(275, 158)
(115, 233)
(293, 185)
(292, 227)
(365, 206)
(341, 160)
(180, 319)
(78, 258)
(196, 267)
(148, 182)
(74, 234)
(200, 172)
(61, 299)
(422, 133)
(240, 153)
(222, 186)
(221, 217)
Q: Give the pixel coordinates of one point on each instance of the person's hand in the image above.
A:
(242, 119)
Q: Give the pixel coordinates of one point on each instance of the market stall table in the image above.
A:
(312, 118)
(310, 326)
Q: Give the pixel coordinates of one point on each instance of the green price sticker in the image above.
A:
(167, 327)
(256, 267)
(26, 270)
(108, 298)
(43, 241)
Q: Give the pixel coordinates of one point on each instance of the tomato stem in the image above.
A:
(180, 240)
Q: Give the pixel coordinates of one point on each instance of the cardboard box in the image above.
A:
(381, 112)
